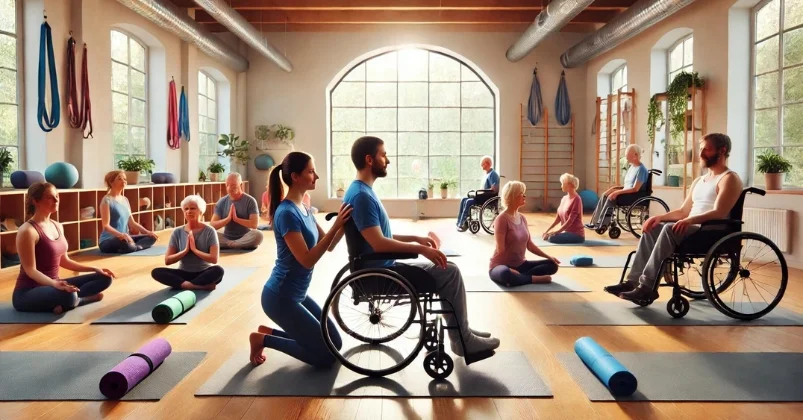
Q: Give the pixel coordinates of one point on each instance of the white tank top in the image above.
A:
(705, 194)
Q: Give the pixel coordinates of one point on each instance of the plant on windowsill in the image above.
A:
(655, 119)
(445, 184)
(133, 166)
(430, 188)
(773, 166)
(215, 169)
(236, 150)
(201, 176)
(678, 100)
(340, 189)
(5, 163)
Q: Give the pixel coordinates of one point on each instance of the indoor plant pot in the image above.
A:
(133, 166)
(773, 166)
(216, 170)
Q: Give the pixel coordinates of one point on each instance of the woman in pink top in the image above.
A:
(508, 265)
(570, 215)
(43, 249)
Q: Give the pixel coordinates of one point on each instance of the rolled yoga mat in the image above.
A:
(607, 369)
(131, 371)
(173, 306)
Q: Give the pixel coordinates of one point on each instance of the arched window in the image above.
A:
(434, 112)
(778, 85)
(207, 120)
(10, 115)
(129, 96)
(680, 57)
(619, 80)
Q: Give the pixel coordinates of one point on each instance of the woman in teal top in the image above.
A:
(115, 215)
(300, 243)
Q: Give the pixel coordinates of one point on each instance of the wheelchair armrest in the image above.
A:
(373, 256)
(720, 222)
(330, 216)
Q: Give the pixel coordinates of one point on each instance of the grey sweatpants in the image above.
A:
(653, 247)
(250, 240)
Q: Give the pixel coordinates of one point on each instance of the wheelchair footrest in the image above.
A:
(476, 357)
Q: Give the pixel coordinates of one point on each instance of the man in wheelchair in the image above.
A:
(371, 220)
(634, 184)
(490, 188)
(712, 197)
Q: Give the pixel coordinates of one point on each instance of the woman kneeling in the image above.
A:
(196, 247)
(508, 266)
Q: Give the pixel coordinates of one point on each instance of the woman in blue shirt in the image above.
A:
(116, 218)
(300, 243)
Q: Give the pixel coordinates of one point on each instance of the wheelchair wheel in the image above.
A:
(639, 212)
(614, 232)
(339, 276)
(601, 230)
(690, 275)
(488, 214)
(761, 275)
(438, 364)
(678, 307)
(431, 338)
(374, 306)
(474, 226)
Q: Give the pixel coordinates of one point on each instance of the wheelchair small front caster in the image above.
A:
(438, 365)
(474, 226)
(431, 339)
(678, 307)
(601, 230)
(614, 232)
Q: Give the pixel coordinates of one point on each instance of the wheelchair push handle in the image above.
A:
(655, 171)
(330, 216)
(754, 190)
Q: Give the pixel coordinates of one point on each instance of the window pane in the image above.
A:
(624, 78)
(119, 108)
(413, 65)
(137, 56)
(444, 119)
(202, 109)
(617, 81)
(357, 74)
(386, 187)
(793, 85)
(381, 94)
(388, 138)
(412, 144)
(443, 68)
(8, 51)
(349, 94)
(477, 119)
(444, 168)
(211, 126)
(119, 77)
(675, 58)
(382, 68)
(211, 90)
(795, 157)
(444, 144)
(8, 86)
(348, 119)
(478, 143)
(471, 170)
(342, 142)
(138, 140)
(8, 125)
(201, 123)
(767, 19)
(8, 16)
(413, 177)
(793, 47)
(766, 127)
(120, 139)
(475, 94)
(767, 55)
(672, 76)
(137, 112)
(201, 83)
(211, 109)
(793, 13)
(137, 84)
(119, 47)
(767, 90)
(444, 94)
(413, 119)
(793, 124)
(688, 51)
(468, 75)
(381, 119)
(413, 94)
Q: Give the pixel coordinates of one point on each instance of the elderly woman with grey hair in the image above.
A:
(570, 215)
(195, 247)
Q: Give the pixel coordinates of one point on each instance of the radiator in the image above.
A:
(775, 224)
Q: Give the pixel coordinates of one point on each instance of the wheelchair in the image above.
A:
(631, 211)
(376, 306)
(724, 253)
(483, 212)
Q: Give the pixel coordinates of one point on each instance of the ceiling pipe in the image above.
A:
(551, 19)
(169, 17)
(631, 22)
(239, 26)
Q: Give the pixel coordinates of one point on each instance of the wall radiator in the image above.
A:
(775, 224)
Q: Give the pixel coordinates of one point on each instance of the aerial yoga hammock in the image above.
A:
(563, 110)
(79, 117)
(535, 104)
(47, 122)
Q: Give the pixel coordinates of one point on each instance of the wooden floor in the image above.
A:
(223, 329)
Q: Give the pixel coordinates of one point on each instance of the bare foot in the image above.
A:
(91, 299)
(211, 286)
(257, 346)
(265, 330)
(190, 286)
(58, 310)
(542, 279)
(514, 271)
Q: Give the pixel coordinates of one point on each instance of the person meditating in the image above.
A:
(195, 246)
(508, 266)
(116, 218)
(42, 249)
(300, 243)
(238, 214)
(570, 215)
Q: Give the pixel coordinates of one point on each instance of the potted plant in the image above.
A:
(283, 134)
(445, 184)
(201, 176)
(234, 149)
(5, 163)
(215, 169)
(340, 190)
(133, 166)
(262, 134)
(773, 166)
(430, 188)
(678, 99)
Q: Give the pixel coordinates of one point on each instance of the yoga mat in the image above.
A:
(449, 252)
(9, 315)
(236, 251)
(154, 251)
(139, 312)
(588, 242)
(605, 261)
(63, 375)
(682, 376)
(131, 371)
(174, 306)
(265, 227)
(506, 374)
(605, 367)
(560, 283)
(627, 313)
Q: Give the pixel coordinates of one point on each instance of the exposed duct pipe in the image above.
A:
(555, 16)
(237, 24)
(169, 17)
(624, 26)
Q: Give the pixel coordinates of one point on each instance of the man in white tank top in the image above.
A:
(712, 197)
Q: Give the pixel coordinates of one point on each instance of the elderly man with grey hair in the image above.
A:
(489, 182)
(635, 180)
(238, 214)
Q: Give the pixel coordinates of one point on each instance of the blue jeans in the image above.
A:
(301, 335)
(465, 205)
(566, 238)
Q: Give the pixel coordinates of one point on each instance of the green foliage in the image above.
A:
(201, 176)
(446, 183)
(678, 98)
(771, 162)
(655, 118)
(262, 132)
(283, 133)
(5, 160)
(234, 148)
(136, 164)
(216, 168)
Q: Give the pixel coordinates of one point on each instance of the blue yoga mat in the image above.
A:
(613, 375)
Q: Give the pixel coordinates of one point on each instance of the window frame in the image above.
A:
(216, 118)
(682, 44)
(20, 86)
(146, 64)
(623, 69)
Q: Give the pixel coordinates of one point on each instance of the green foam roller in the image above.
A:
(174, 306)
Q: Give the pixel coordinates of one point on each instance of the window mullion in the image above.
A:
(779, 138)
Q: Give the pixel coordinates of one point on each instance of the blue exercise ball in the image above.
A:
(263, 162)
(62, 175)
(24, 179)
(589, 199)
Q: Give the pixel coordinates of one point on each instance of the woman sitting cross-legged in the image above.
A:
(42, 248)
(570, 215)
(115, 215)
(195, 246)
(300, 243)
(508, 266)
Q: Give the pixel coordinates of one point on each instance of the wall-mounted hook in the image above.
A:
(44, 13)
(70, 33)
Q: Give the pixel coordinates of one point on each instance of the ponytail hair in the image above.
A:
(293, 163)
(35, 192)
(275, 190)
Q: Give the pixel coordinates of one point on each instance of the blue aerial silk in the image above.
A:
(183, 117)
(51, 121)
(563, 110)
(535, 104)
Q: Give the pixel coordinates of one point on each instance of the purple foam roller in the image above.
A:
(131, 371)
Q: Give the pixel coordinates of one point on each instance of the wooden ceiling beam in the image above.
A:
(328, 5)
(403, 27)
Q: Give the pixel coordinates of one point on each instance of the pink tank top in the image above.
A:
(48, 254)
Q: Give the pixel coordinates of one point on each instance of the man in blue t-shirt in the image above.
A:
(489, 182)
(372, 221)
(635, 181)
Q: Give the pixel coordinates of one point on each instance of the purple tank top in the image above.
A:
(48, 254)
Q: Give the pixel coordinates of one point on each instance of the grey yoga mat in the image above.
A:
(9, 315)
(588, 242)
(627, 313)
(139, 312)
(560, 283)
(605, 261)
(153, 251)
(66, 375)
(685, 376)
(506, 374)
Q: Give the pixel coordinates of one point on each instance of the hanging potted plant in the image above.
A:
(236, 150)
(678, 100)
(283, 134)
(340, 190)
(655, 120)
(262, 134)
(773, 166)
(215, 169)
(133, 166)
(5, 163)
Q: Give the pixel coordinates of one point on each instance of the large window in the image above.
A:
(10, 114)
(681, 57)
(129, 93)
(435, 114)
(778, 84)
(207, 120)
(619, 80)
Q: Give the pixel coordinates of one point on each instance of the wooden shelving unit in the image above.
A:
(82, 227)
(615, 127)
(684, 165)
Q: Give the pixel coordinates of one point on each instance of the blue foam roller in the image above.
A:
(613, 375)
(24, 179)
(581, 261)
